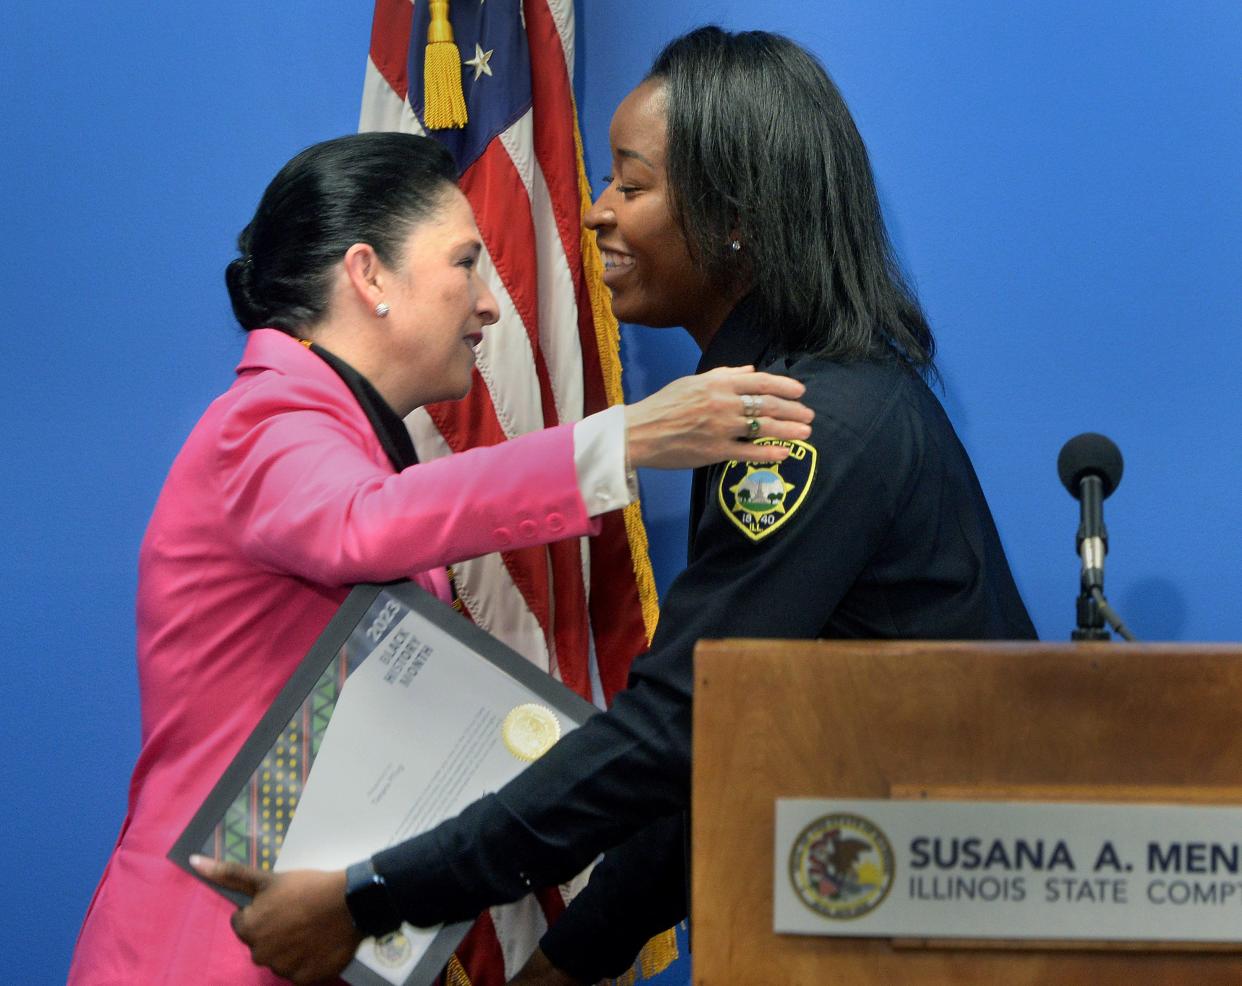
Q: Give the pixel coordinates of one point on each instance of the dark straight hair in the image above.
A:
(762, 148)
(365, 188)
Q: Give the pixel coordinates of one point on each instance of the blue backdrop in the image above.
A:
(1063, 182)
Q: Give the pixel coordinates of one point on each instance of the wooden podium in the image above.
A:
(1009, 721)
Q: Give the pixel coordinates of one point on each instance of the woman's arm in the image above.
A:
(305, 495)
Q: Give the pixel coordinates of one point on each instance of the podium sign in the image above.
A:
(1045, 725)
(1008, 870)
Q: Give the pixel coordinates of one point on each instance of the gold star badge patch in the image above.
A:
(758, 497)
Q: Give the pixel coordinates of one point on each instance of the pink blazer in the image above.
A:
(280, 500)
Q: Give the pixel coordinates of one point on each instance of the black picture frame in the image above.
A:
(332, 645)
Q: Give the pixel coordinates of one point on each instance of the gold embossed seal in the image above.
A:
(393, 949)
(530, 730)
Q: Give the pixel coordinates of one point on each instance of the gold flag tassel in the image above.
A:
(444, 106)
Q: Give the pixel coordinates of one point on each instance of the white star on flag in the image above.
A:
(479, 61)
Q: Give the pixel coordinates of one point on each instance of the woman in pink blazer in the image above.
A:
(357, 285)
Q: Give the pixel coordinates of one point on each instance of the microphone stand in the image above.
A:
(1086, 463)
(1092, 544)
(1090, 617)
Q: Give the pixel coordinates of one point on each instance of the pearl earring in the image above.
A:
(735, 245)
(382, 310)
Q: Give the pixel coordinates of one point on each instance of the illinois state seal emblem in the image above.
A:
(760, 498)
(841, 866)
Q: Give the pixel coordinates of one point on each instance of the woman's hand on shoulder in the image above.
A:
(715, 416)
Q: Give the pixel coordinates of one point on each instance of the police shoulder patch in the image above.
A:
(760, 497)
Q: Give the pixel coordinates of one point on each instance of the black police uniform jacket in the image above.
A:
(874, 528)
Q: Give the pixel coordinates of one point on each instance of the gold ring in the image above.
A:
(752, 426)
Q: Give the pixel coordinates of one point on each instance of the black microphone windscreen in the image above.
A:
(1090, 454)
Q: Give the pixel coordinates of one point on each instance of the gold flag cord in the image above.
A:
(656, 956)
(608, 342)
(661, 951)
(444, 106)
(455, 974)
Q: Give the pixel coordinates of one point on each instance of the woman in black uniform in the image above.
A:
(742, 207)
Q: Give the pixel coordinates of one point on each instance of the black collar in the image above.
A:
(389, 428)
(741, 340)
(393, 436)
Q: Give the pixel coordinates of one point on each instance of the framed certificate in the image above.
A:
(403, 713)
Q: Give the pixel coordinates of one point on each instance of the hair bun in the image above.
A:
(239, 278)
(362, 188)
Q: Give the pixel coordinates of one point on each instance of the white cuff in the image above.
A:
(604, 479)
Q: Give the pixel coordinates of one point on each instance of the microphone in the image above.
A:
(1090, 467)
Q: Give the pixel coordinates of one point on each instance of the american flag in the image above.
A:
(552, 358)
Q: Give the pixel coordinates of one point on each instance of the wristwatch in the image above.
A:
(371, 906)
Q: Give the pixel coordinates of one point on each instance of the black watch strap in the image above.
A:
(370, 904)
